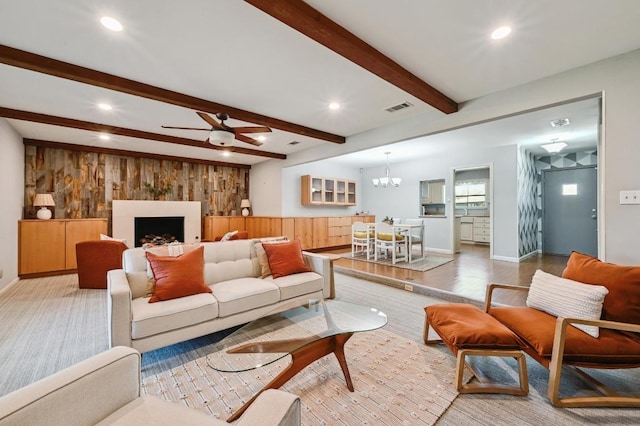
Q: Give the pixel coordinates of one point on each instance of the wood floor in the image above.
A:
(468, 274)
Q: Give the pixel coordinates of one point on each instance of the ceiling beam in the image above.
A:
(122, 131)
(124, 152)
(302, 17)
(31, 61)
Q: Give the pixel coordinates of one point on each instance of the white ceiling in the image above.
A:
(229, 52)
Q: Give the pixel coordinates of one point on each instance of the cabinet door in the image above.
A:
(41, 246)
(351, 193)
(329, 189)
(215, 226)
(81, 230)
(304, 231)
(320, 232)
(466, 231)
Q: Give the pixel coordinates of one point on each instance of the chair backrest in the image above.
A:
(358, 227)
(397, 221)
(415, 232)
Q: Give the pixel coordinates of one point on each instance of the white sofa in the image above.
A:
(231, 270)
(105, 390)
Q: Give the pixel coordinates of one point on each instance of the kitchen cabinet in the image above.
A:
(432, 191)
(327, 191)
(48, 247)
(481, 229)
(466, 229)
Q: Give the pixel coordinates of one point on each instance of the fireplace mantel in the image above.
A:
(125, 211)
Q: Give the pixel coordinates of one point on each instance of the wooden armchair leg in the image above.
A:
(489, 387)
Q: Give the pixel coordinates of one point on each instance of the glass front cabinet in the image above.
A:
(327, 191)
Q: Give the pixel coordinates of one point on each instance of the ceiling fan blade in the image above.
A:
(251, 129)
(185, 128)
(247, 139)
(210, 120)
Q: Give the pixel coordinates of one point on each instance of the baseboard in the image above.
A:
(526, 256)
(437, 250)
(506, 259)
(11, 284)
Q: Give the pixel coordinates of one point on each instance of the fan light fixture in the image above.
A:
(221, 137)
(386, 180)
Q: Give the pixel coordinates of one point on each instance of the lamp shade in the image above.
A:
(43, 200)
(245, 203)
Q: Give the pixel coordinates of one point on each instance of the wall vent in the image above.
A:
(294, 142)
(399, 107)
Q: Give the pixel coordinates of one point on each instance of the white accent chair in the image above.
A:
(387, 240)
(362, 239)
(105, 390)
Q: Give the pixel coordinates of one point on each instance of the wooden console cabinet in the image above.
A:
(313, 232)
(48, 247)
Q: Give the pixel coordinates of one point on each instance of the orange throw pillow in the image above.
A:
(178, 276)
(623, 282)
(285, 259)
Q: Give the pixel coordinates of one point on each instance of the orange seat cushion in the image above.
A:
(623, 282)
(537, 328)
(464, 326)
(178, 276)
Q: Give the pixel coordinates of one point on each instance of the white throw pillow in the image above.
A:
(228, 235)
(108, 238)
(568, 299)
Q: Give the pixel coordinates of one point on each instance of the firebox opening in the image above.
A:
(158, 230)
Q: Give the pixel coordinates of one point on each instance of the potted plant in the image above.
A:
(388, 220)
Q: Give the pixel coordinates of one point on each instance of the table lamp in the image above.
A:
(43, 201)
(245, 204)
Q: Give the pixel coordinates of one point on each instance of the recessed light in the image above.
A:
(261, 138)
(105, 107)
(111, 23)
(501, 32)
(226, 154)
(104, 136)
(334, 105)
(560, 122)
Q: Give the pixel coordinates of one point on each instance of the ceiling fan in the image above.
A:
(222, 135)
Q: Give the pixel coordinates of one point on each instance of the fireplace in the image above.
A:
(125, 213)
(158, 230)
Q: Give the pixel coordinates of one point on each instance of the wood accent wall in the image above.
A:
(84, 184)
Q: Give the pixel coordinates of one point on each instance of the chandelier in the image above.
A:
(386, 180)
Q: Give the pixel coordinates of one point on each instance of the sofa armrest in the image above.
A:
(322, 265)
(82, 394)
(119, 312)
(491, 287)
(273, 407)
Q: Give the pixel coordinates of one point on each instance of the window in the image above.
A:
(471, 194)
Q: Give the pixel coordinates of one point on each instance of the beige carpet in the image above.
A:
(397, 381)
(430, 261)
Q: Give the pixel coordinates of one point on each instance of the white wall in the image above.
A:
(616, 77)
(12, 166)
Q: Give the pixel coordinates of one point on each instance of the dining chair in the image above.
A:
(416, 235)
(388, 240)
(362, 239)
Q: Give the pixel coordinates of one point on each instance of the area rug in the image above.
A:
(397, 381)
(429, 261)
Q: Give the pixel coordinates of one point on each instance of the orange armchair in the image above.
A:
(95, 259)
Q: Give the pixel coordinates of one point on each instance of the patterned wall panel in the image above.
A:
(527, 207)
(83, 184)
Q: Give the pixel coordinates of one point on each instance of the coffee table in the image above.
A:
(305, 331)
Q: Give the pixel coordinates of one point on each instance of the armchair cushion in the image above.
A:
(537, 329)
(622, 304)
